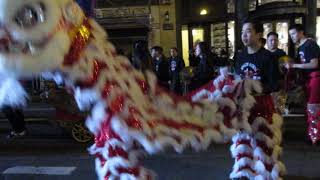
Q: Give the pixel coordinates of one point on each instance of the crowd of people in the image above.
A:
(203, 61)
(262, 62)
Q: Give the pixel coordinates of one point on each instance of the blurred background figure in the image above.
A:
(160, 66)
(176, 64)
(262, 42)
(204, 72)
(141, 58)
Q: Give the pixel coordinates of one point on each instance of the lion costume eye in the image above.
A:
(30, 15)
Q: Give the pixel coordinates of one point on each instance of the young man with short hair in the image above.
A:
(272, 44)
(308, 56)
(257, 152)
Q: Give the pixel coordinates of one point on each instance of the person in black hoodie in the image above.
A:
(176, 64)
(160, 66)
(256, 63)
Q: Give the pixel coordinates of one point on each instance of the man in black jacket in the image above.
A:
(176, 64)
(160, 66)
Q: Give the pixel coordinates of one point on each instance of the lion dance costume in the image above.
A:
(129, 113)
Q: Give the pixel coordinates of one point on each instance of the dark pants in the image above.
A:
(15, 117)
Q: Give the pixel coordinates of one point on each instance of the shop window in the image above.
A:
(185, 44)
(231, 38)
(282, 28)
(231, 6)
(252, 5)
(318, 30)
(218, 36)
(197, 35)
(267, 27)
(261, 2)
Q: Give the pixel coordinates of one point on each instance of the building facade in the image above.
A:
(127, 21)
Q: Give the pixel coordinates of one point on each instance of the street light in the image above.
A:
(203, 12)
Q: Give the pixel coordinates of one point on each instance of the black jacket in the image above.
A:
(161, 69)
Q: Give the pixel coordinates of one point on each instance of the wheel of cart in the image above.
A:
(67, 114)
(80, 132)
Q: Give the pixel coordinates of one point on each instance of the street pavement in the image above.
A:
(48, 146)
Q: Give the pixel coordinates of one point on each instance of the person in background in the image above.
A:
(141, 58)
(224, 58)
(256, 63)
(308, 57)
(204, 72)
(272, 45)
(15, 117)
(193, 60)
(160, 66)
(279, 54)
(176, 64)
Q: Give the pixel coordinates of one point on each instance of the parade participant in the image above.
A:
(253, 150)
(308, 56)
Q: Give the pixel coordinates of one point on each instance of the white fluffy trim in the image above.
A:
(113, 163)
(86, 97)
(278, 170)
(241, 136)
(242, 163)
(240, 149)
(12, 93)
(244, 173)
(98, 115)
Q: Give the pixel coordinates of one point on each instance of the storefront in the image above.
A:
(216, 22)
(206, 21)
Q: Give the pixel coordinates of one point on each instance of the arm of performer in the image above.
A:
(311, 65)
